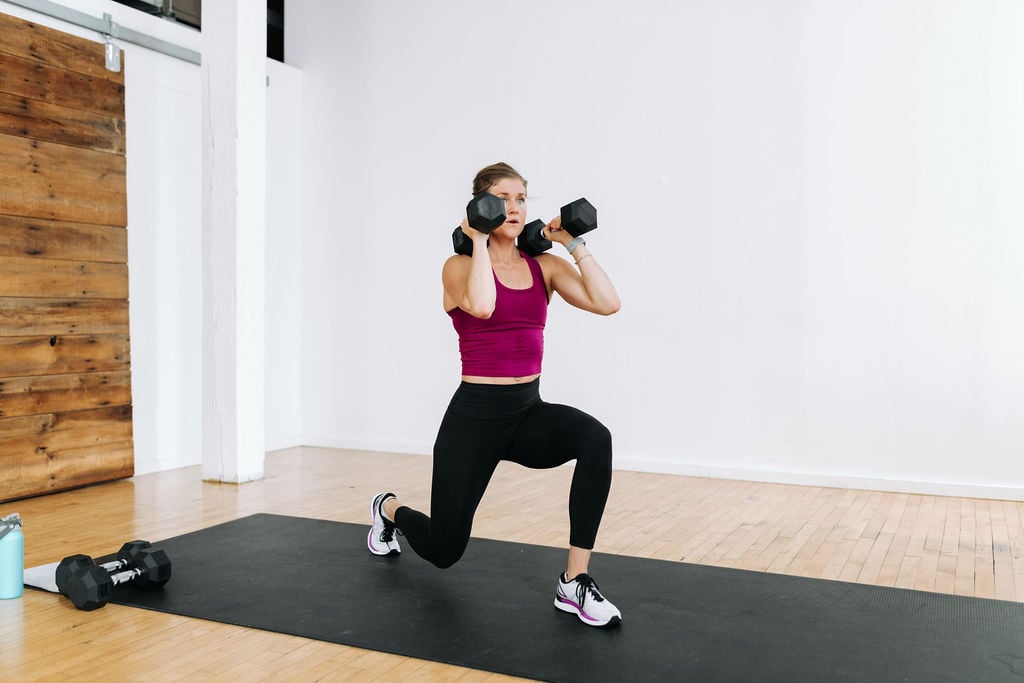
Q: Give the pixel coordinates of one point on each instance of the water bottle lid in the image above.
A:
(9, 523)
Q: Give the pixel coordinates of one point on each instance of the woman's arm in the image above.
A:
(584, 285)
(468, 280)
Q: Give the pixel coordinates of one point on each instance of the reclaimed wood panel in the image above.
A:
(46, 180)
(63, 468)
(27, 118)
(63, 164)
(55, 355)
(65, 380)
(36, 277)
(39, 81)
(53, 432)
(20, 236)
(20, 396)
(43, 44)
(26, 316)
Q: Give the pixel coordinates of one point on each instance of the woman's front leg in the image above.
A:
(579, 562)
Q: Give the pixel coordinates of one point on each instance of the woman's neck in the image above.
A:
(503, 252)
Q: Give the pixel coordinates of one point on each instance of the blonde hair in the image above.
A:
(489, 175)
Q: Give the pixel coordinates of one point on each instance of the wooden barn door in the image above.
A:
(65, 390)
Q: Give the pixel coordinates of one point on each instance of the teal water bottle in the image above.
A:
(12, 557)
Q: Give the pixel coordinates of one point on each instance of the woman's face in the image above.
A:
(513, 191)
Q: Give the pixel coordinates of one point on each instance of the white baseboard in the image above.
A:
(925, 487)
(382, 445)
(658, 466)
(144, 466)
(285, 442)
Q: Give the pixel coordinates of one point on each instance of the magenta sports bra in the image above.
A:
(511, 342)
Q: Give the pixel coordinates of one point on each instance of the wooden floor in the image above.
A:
(950, 545)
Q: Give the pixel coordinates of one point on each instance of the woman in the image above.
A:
(497, 299)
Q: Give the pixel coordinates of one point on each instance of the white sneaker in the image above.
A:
(381, 539)
(582, 597)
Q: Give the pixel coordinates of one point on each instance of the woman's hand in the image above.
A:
(472, 233)
(553, 231)
(588, 288)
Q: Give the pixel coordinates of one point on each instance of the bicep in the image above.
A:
(463, 289)
(562, 278)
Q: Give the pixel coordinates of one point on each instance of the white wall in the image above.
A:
(162, 103)
(284, 255)
(811, 211)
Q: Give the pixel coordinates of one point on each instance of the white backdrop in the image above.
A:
(812, 212)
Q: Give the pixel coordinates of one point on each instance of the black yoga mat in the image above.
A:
(493, 611)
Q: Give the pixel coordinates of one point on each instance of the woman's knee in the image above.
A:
(596, 445)
(448, 554)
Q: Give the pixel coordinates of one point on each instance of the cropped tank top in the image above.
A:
(511, 342)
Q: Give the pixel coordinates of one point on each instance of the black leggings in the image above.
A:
(486, 424)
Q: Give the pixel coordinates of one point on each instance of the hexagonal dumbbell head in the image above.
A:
(130, 549)
(462, 244)
(531, 239)
(485, 212)
(579, 217)
(155, 567)
(67, 567)
(90, 588)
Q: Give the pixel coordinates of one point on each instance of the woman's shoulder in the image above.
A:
(457, 262)
(549, 262)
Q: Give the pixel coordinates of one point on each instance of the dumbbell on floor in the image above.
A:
(90, 586)
(578, 217)
(70, 564)
(484, 213)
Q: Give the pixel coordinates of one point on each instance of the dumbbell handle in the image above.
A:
(81, 599)
(126, 576)
(62, 574)
(115, 566)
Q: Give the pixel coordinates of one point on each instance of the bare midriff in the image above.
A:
(474, 379)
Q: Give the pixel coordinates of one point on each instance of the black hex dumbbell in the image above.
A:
(484, 213)
(90, 586)
(578, 217)
(531, 240)
(69, 565)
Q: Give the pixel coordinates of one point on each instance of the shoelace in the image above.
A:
(388, 533)
(584, 585)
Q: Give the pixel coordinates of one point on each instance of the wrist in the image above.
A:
(575, 242)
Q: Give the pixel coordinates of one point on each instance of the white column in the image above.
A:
(234, 227)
